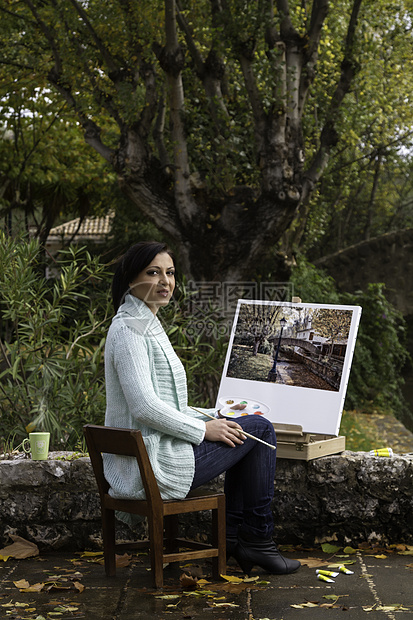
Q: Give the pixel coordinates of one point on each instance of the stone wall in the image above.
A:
(349, 498)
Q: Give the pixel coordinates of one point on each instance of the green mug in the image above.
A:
(38, 446)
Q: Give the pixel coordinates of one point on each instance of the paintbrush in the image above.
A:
(243, 432)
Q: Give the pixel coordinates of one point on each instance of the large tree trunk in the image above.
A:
(218, 235)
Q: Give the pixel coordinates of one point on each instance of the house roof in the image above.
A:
(90, 227)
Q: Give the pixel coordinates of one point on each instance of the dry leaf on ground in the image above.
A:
(20, 549)
(312, 562)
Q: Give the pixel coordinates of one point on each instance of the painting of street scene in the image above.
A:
(290, 345)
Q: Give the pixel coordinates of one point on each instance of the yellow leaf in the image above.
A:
(4, 557)
(232, 579)
(349, 550)
(397, 607)
(90, 554)
(381, 557)
(168, 597)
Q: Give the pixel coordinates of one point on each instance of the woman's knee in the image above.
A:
(258, 425)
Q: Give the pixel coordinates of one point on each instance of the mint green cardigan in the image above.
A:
(146, 390)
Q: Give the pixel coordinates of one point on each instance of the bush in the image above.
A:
(380, 353)
(52, 339)
(52, 336)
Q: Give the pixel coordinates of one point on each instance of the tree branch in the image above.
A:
(210, 71)
(172, 61)
(313, 36)
(107, 57)
(329, 135)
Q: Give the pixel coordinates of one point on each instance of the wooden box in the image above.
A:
(293, 443)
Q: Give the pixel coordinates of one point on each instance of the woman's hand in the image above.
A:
(224, 430)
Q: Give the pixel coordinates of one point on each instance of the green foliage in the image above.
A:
(312, 285)
(52, 339)
(380, 354)
(52, 335)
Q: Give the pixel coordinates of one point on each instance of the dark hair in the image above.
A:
(131, 264)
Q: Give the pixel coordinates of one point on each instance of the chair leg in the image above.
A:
(155, 527)
(171, 532)
(108, 535)
(219, 564)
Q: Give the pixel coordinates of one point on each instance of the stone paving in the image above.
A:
(72, 586)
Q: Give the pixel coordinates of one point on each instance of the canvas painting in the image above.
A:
(290, 362)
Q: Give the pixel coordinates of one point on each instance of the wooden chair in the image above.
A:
(162, 515)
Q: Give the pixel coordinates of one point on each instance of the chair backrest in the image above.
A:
(124, 442)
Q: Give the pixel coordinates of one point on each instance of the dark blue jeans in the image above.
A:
(249, 478)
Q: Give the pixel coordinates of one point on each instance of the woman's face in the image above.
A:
(155, 284)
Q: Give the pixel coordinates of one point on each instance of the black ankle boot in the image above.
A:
(232, 543)
(265, 554)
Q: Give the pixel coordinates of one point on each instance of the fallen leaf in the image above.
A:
(328, 548)
(123, 560)
(168, 597)
(36, 587)
(22, 583)
(232, 579)
(20, 549)
(349, 550)
(313, 562)
(187, 581)
(78, 586)
(381, 557)
(202, 582)
(397, 607)
(342, 563)
(398, 547)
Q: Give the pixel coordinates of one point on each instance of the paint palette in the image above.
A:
(252, 407)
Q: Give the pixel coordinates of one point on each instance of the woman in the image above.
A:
(146, 390)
